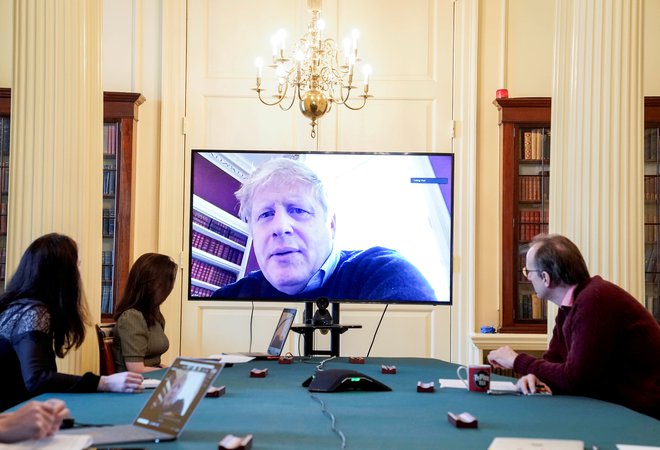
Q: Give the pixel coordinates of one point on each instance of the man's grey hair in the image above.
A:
(279, 170)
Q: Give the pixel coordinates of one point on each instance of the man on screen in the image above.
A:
(286, 208)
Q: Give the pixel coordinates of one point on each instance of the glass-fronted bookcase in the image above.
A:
(525, 174)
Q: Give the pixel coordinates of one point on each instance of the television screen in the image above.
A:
(350, 227)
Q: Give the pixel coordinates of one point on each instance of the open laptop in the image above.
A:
(279, 336)
(168, 409)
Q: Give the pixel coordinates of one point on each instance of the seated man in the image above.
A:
(286, 207)
(605, 344)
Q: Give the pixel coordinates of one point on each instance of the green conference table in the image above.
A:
(281, 414)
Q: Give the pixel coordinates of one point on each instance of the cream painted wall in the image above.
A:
(651, 43)
(131, 62)
(515, 52)
(6, 42)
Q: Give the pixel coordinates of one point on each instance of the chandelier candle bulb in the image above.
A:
(259, 63)
(355, 35)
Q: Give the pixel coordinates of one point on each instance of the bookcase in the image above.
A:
(119, 125)
(120, 116)
(652, 204)
(220, 246)
(525, 153)
(525, 170)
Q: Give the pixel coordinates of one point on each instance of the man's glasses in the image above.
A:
(526, 271)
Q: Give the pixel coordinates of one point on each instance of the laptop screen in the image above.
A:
(281, 331)
(173, 401)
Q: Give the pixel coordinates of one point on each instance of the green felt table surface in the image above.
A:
(281, 414)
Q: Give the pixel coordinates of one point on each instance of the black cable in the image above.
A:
(333, 421)
(377, 327)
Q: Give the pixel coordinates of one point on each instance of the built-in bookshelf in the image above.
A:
(652, 204)
(120, 116)
(220, 247)
(525, 152)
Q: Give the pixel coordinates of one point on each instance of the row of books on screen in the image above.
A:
(651, 187)
(531, 307)
(107, 265)
(110, 138)
(197, 291)
(4, 136)
(214, 247)
(651, 144)
(534, 187)
(220, 228)
(536, 144)
(217, 276)
(108, 222)
(109, 179)
(106, 297)
(533, 222)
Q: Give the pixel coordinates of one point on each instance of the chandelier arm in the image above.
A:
(293, 98)
(364, 102)
(279, 100)
(276, 102)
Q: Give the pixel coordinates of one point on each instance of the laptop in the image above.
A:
(168, 409)
(279, 336)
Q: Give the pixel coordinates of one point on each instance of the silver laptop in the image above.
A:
(168, 409)
(279, 336)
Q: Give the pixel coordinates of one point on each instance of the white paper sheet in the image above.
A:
(150, 383)
(57, 442)
(231, 359)
(636, 447)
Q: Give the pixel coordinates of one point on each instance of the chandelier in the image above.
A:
(318, 74)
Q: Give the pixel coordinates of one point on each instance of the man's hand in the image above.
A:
(530, 384)
(502, 357)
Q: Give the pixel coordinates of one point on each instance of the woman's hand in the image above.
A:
(121, 382)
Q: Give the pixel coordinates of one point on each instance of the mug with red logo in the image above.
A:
(476, 377)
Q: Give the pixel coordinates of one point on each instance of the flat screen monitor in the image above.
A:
(380, 231)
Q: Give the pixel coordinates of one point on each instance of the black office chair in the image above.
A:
(104, 333)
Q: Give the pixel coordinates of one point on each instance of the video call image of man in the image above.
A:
(177, 393)
(289, 217)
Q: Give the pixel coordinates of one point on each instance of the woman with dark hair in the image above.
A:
(43, 314)
(139, 339)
